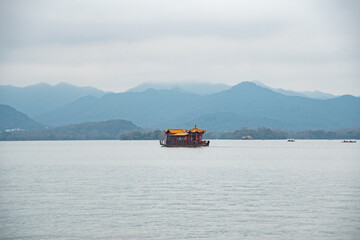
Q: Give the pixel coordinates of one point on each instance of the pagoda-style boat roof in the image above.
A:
(176, 132)
(195, 130)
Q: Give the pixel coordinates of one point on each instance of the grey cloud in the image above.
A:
(295, 44)
(22, 28)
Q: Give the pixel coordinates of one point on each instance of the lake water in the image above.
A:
(139, 190)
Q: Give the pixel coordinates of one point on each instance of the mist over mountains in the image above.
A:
(214, 108)
(197, 88)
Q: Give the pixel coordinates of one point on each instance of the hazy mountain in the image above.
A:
(309, 94)
(11, 119)
(197, 88)
(40, 98)
(244, 105)
(146, 108)
(249, 105)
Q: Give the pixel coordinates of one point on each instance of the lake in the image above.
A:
(256, 189)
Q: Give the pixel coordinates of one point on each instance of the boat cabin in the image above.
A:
(176, 136)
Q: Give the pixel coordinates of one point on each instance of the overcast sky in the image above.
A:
(115, 45)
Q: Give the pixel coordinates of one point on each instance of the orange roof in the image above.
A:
(176, 132)
(195, 129)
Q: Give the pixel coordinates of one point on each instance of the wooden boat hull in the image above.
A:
(192, 145)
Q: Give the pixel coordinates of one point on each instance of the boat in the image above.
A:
(246, 137)
(349, 141)
(187, 138)
(291, 140)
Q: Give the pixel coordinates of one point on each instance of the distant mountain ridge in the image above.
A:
(210, 88)
(308, 94)
(244, 105)
(40, 98)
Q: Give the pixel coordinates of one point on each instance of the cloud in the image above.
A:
(76, 22)
(301, 45)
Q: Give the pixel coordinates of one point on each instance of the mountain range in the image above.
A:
(244, 105)
(210, 88)
(40, 98)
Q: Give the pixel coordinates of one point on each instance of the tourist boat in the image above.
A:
(187, 138)
(349, 141)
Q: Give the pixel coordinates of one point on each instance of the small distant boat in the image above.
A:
(349, 141)
(291, 140)
(246, 137)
